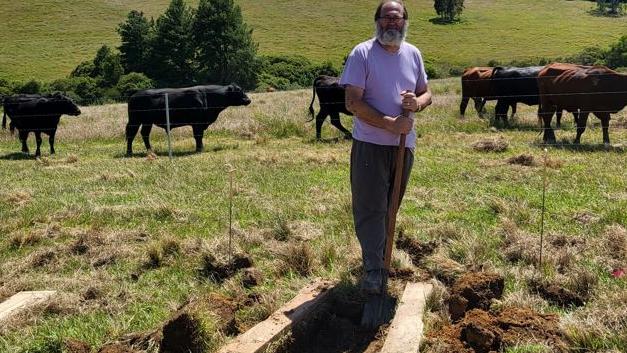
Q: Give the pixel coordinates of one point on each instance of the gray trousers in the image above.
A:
(372, 179)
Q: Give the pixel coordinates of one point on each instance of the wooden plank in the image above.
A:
(261, 335)
(22, 301)
(405, 333)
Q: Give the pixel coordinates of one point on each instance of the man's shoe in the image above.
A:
(372, 282)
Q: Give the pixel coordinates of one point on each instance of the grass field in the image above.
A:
(122, 239)
(47, 39)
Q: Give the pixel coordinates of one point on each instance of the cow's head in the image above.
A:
(65, 105)
(236, 95)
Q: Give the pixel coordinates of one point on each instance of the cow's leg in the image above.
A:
(480, 106)
(199, 132)
(51, 139)
(582, 120)
(145, 132)
(558, 119)
(322, 114)
(463, 105)
(513, 110)
(38, 141)
(546, 115)
(23, 136)
(335, 121)
(500, 111)
(131, 131)
(605, 125)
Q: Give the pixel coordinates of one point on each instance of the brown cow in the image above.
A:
(477, 84)
(580, 90)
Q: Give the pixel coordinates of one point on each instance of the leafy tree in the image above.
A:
(30, 87)
(136, 34)
(225, 48)
(610, 7)
(449, 10)
(616, 56)
(133, 82)
(172, 49)
(84, 69)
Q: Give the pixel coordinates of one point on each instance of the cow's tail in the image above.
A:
(313, 98)
(4, 120)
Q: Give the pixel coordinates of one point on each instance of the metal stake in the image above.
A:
(167, 120)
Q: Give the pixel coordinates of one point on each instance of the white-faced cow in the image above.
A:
(38, 114)
(331, 99)
(580, 90)
(197, 106)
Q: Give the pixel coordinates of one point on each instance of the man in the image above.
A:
(383, 76)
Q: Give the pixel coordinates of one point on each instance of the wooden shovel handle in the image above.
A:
(396, 199)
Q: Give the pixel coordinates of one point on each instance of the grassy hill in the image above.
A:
(123, 239)
(47, 39)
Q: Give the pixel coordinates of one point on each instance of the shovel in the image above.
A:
(378, 308)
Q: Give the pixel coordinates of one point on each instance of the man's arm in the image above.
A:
(356, 105)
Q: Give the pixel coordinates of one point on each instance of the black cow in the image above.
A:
(511, 85)
(36, 113)
(197, 106)
(331, 99)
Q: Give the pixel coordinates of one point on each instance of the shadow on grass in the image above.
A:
(213, 148)
(332, 140)
(17, 156)
(442, 21)
(599, 13)
(570, 146)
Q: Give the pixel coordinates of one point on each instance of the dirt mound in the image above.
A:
(523, 159)
(474, 291)
(224, 308)
(417, 250)
(182, 335)
(483, 332)
(218, 271)
(491, 145)
(558, 295)
(75, 346)
(251, 277)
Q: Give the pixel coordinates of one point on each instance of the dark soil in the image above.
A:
(225, 308)
(483, 332)
(334, 328)
(417, 250)
(218, 272)
(558, 295)
(182, 335)
(75, 346)
(251, 277)
(474, 291)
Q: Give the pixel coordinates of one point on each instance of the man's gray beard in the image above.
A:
(391, 37)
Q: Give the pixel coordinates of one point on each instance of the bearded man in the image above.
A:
(383, 77)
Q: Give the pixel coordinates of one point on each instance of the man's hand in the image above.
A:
(410, 101)
(400, 125)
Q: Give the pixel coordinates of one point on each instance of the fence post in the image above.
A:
(167, 120)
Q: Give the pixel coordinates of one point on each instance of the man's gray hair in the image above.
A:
(377, 13)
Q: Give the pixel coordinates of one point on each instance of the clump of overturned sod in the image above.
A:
(491, 145)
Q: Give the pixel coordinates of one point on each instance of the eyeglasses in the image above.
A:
(390, 19)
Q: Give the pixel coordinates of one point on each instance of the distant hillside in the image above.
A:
(46, 39)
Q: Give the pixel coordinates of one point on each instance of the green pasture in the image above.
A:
(46, 39)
